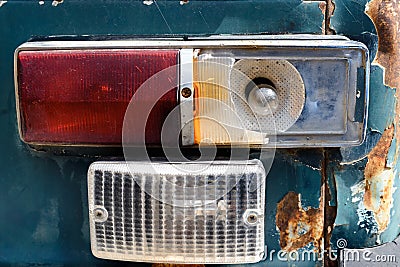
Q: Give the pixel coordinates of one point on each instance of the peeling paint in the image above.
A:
(377, 157)
(322, 7)
(366, 218)
(2, 3)
(57, 2)
(299, 226)
(357, 191)
(41, 2)
(184, 2)
(148, 2)
(379, 181)
(378, 197)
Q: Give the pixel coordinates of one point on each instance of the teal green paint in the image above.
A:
(32, 182)
(350, 20)
(161, 17)
(380, 116)
(43, 199)
(382, 102)
(358, 233)
(393, 228)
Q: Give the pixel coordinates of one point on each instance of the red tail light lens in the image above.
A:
(80, 96)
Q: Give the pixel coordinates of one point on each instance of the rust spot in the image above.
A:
(298, 226)
(330, 212)
(176, 265)
(378, 155)
(322, 7)
(379, 180)
(385, 16)
(327, 8)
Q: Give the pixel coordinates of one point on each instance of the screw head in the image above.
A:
(100, 214)
(252, 218)
(186, 92)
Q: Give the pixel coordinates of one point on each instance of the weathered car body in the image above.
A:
(315, 198)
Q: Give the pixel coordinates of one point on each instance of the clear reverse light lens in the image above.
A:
(179, 217)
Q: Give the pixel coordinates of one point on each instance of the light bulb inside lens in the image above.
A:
(263, 99)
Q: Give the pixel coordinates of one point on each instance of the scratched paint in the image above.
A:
(47, 230)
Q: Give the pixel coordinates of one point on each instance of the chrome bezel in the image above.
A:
(226, 42)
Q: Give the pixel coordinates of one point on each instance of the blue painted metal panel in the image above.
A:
(43, 197)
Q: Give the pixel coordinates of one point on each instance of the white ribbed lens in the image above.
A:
(219, 216)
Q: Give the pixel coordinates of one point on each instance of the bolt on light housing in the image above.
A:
(205, 212)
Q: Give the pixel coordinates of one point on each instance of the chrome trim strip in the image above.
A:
(186, 104)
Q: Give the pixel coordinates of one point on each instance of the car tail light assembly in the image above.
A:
(177, 213)
(263, 91)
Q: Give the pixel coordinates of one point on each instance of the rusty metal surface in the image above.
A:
(294, 207)
(367, 179)
(378, 198)
(299, 226)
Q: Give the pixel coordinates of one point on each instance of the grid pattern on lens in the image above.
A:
(142, 228)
